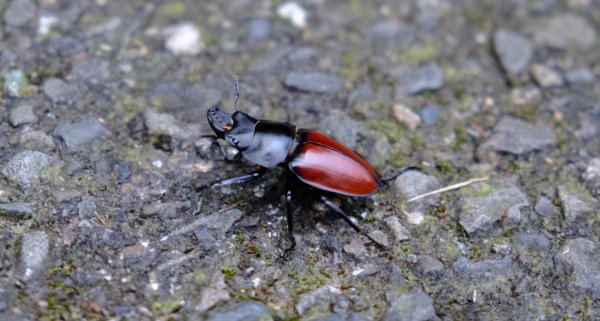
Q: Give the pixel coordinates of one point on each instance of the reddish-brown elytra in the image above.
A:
(323, 163)
(313, 158)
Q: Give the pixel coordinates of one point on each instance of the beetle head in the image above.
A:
(236, 129)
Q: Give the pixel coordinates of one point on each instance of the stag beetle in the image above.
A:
(313, 158)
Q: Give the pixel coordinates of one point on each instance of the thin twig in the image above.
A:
(450, 187)
(100, 219)
(229, 207)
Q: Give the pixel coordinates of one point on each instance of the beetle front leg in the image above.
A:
(346, 218)
(215, 142)
(235, 180)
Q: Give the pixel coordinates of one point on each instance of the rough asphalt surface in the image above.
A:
(103, 104)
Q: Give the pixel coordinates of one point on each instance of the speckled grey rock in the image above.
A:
(338, 125)
(325, 295)
(258, 29)
(416, 306)
(429, 114)
(87, 208)
(389, 35)
(59, 91)
(22, 115)
(12, 82)
(269, 61)
(574, 204)
(592, 173)
(315, 82)
(40, 138)
(20, 12)
(578, 262)
(429, 267)
(166, 211)
(213, 294)
(206, 241)
(480, 213)
(413, 183)
(167, 125)
(379, 237)
(24, 168)
(77, 135)
(217, 223)
(565, 30)
(17, 210)
(343, 316)
(580, 76)
(304, 59)
(66, 195)
(515, 136)
(356, 248)
(513, 50)
(34, 252)
(93, 72)
(426, 77)
(400, 232)
(245, 311)
(546, 208)
(532, 241)
(486, 270)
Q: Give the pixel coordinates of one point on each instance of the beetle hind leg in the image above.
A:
(346, 218)
(400, 172)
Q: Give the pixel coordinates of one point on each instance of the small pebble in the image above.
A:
(22, 115)
(546, 77)
(294, 13)
(184, 39)
(406, 116)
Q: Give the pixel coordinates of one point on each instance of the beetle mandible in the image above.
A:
(313, 158)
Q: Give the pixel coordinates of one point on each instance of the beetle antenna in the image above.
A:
(400, 172)
(237, 91)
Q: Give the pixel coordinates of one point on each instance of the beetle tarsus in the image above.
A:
(235, 180)
(400, 172)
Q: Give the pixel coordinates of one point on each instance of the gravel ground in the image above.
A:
(102, 108)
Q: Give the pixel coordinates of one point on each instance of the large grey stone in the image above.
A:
(565, 30)
(59, 91)
(410, 307)
(324, 295)
(515, 136)
(313, 82)
(24, 168)
(77, 135)
(481, 212)
(578, 264)
(246, 311)
(34, 252)
(513, 50)
(426, 77)
(20, 13)
(17, 210)
(486, 270)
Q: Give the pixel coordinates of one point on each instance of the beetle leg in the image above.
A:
(400, 172)
(346, 218)
(235, 180)
(290, 221)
